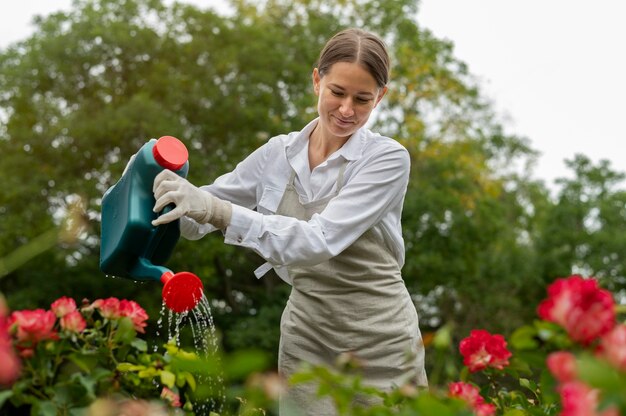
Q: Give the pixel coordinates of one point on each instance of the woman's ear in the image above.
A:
(381, 94)
(316, 81)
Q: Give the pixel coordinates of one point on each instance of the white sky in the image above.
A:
(556, 69)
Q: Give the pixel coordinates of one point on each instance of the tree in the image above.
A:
(584, 231)
(93, 84)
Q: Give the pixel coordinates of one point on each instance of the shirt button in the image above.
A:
(239, 239)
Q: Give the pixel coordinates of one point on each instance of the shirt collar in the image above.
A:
(351, 150)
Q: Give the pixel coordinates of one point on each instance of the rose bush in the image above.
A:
(571, 362)
(90, 356)
(71, 356)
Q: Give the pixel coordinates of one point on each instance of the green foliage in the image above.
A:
(70, 370)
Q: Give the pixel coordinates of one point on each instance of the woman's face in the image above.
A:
(347, 94)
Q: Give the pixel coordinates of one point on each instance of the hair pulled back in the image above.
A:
(357, 46)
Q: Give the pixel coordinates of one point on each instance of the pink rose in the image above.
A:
(73, 322)
(135, 312)
(482, 349)
(471, 395)
(578, 399)
(109, 308)
(172, 398)
(613, 347)
(562, 365)
(32, 326)
(465, 391)
(63, 306)
(580, 306)
(485, 409)
(10, 368)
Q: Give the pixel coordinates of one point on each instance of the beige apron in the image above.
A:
(355, 302)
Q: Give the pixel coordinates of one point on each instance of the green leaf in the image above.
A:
(125, 332)
(148, 373)
(241, 363)
(130, 367)
(429, 405)
(529, 384)
(168, 378)
(140, 344)
(44, 408)
(190, 379)
(4, 395)
(524, 338)
(443, 337)
(85, 362)
(196, 366)
(514, 412)
(600, 374)
(88, 383)
(303, 377)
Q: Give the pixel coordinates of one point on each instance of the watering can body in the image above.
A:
(131, 246)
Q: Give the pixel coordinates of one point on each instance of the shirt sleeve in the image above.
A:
(237, 186)
(377, 186)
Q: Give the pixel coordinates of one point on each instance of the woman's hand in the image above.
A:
(190, 201)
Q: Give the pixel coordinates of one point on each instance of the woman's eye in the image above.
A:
(362, 100)
(336, 93)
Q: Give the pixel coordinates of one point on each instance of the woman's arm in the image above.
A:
(238, 186)
(378, 186)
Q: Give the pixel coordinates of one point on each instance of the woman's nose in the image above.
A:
(346, 108)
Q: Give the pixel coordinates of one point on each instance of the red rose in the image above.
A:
(63, 306)
(578, 399)
(73, 322)
(172, 398)
(562, 365)
(580, 306)
(32, 326)
(10, 368)
(471, 395)
(135, 312)
(109, 308)
(482, 349)
(465, 391)
(613, 347)
(485, 409)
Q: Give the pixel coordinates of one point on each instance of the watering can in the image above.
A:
(131, 246)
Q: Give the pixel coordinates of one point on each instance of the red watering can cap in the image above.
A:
(170, 153)
(181, 291)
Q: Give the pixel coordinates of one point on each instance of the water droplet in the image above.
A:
(205, 342)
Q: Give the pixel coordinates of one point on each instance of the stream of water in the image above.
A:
(205, 343)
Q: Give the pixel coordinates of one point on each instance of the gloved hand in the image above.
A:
(169, 188)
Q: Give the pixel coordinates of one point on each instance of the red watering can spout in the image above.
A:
(181, 291)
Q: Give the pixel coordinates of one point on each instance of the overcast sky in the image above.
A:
(556, 69)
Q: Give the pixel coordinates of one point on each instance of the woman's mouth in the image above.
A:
(343, 122)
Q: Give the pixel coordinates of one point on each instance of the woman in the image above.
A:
(323, 207)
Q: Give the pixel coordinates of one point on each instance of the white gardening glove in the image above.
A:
(190, 201)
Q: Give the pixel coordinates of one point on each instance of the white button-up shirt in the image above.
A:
(371, 197)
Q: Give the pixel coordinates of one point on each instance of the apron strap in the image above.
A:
(292, 178)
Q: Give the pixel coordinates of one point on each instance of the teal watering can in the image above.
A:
(131, 246)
